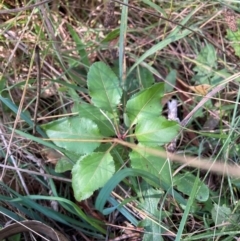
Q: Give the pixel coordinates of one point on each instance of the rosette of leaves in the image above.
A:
(89, 139)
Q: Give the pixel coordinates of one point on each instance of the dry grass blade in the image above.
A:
(214, 91)
(173, 22)
(16, 10)
(204, 164)
(39, 82)
(17, 169)
(217, 89)
(19, 109)
(51, 33)
(36, 227)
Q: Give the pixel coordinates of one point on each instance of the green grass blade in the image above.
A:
(10, 214)
(27, 201)
(38, 140)
(187, 210)
(159, 46)
(119, 176)
(175, 35)
(54, 214)
(80, 47)
(123, 211)
(122, 41)
(155, 7)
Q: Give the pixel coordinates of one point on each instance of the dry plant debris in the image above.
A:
(230, 18)
(202, 99)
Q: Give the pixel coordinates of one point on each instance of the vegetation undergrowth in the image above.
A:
(118, 88)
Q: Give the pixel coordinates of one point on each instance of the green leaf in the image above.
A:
(157, 166)
(93, 113)
(218, 77)
(145, 104)
(112, 35)
(75, 134)
(63, 165)
(145, 77)
(90, 173)
(206, 62)
(234, 38)
(153, 225)
(235, 181)
(127, 172)
(208, 57)
(184, 183)
(156, 131)
(16, 237)
(220, 214)
(104, 87)
(171, 78)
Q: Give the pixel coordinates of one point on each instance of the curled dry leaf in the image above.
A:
(51, 155)
(200, 89)
(167, 97)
